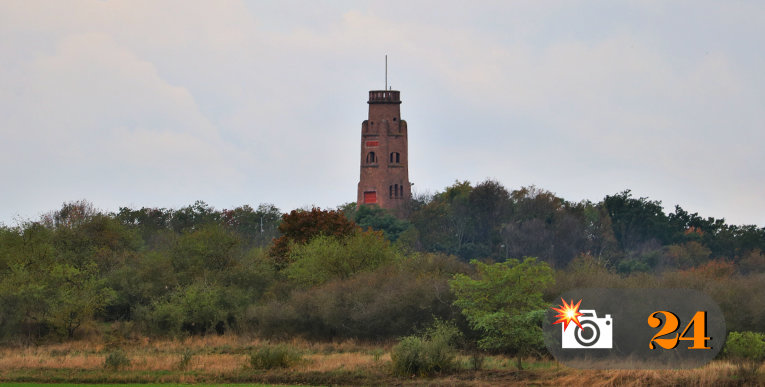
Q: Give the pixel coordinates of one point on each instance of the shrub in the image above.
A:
(325, 258)
(377, 354)
(433, 353)
(385, 303)
(745, 346)
(299, 226)
(408, 356)
(185, 360)
(116, 360)
(628, 266)
(477, 360)
(274, 356)
(198, 308)
(748, 350)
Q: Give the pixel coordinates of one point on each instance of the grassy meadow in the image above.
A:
(227, 359)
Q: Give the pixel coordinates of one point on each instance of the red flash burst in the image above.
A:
(568, 313)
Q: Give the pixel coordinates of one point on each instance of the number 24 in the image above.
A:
(699, 322)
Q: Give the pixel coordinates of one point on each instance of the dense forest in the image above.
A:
(348, 272)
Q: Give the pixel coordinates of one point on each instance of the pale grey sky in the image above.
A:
(161, 103)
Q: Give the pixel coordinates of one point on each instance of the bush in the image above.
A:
(274, 356)
(748, 350)
(408, 356)
(386, 303)
(745, 346)
(116, 360)
(198, 308)
(185, 360)
(325, 258)
(433, 353)
(628, 266)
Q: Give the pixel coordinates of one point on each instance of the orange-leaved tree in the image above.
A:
(299, 226)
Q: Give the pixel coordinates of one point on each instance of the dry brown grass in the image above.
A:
(226, 359)
(337, 361)
(714, 373)
(210, 353)
(29, 359)
(216, 363)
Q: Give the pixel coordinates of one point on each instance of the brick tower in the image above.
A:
(384, 160)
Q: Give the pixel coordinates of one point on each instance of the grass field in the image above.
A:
(226, 359)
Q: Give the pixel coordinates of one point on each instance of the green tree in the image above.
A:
(546, 226)
(144, 279)
(458, 219)
(505, 303)
(325, 258)
(745, 346)
(300, 226)
(198, 308)
(637, 220)
(148, 221)
(255, 227)
(79, 294)
(205, 252)
(348, 209)
(53, 274)
(445, 224)
(380, 219)
(70, 215)
(193, 216)
(26, 253)
(490, 206)
(432, 225)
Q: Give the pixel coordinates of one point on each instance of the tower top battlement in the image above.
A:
(384, 96)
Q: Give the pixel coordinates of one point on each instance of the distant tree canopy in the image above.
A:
(487, 221)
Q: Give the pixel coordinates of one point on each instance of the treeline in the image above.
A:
(359, 273)
(629, 234)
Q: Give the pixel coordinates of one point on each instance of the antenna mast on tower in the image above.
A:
(386, 72)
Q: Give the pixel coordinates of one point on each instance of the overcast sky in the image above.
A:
(161, 103)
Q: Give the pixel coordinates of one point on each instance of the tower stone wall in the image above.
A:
(384, 177)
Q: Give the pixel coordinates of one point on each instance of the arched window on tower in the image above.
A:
(371, 158)
(395, 157)
(390, 191)
(401, 191)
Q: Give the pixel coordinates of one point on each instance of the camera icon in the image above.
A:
(599, 332)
